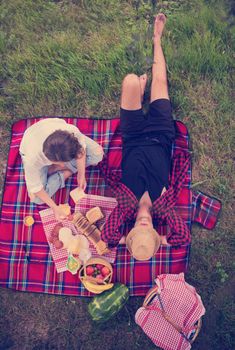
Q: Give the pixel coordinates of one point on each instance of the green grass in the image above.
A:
(69, 58)
(66, 58)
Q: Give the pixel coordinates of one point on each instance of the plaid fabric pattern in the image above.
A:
(205, 210)
(181, 303)
(126, 209)
(26, 263)
(163, 207)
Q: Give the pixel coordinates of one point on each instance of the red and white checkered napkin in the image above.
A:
(60, 256)
(181, 303)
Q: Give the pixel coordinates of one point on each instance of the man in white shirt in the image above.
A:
(51, 151)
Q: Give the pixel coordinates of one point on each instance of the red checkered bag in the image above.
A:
(171, 313)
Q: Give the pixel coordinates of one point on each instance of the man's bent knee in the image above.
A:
(131, 80)
(131, 92)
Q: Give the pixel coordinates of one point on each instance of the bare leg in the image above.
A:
(132, 91)
(67, 173)
(54, 168)
(159, 87)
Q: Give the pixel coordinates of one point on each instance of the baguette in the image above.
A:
(83, 226)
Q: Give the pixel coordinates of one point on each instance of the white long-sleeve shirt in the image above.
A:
(31, 148)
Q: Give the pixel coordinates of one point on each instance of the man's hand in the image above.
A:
(163, 240)
(59, 213)
(81, 179)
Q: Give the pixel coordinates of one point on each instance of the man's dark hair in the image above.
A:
(61, 146)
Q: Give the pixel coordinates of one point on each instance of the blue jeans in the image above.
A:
(52, 183)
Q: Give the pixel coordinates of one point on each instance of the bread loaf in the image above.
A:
(94, 214)
(66, 209)
(77, 194)
(91, 232)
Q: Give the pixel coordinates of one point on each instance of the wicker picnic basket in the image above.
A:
(90, 282)
(193, 334)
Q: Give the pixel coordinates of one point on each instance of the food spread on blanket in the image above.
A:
(62, 237)
(83, 226)
(76, 241)
(76, 236)
(96, 274)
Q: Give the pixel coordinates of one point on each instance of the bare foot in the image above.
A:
(159, 25)
(143, 80)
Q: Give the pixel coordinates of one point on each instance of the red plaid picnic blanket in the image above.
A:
(26, 263)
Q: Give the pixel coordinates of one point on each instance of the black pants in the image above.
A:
(147, 143)
(157, 121)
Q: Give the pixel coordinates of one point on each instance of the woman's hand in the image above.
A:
(81, 166)
(81, 179)
(59, 213)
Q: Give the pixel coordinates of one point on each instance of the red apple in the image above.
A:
(99, 278)
(89, 270)
(105, 271)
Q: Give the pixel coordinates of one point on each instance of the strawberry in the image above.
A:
(89, 270)
(105, 271)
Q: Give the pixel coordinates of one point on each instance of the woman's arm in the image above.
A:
(58, 212)
(81, 166)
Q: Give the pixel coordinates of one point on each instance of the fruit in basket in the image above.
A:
(96, 288)
(100, 278)
(105, 271)
(109, 303)
(99, 266)
(90, 270)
